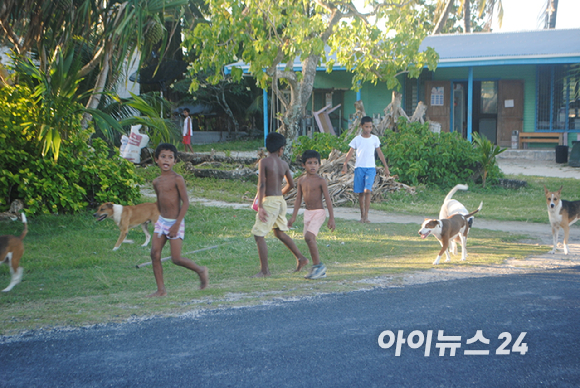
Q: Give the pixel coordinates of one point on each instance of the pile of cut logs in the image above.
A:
(340, 187)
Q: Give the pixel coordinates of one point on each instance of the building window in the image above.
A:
(558, 98)
(488, 97)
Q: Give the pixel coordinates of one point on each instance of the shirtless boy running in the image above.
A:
(271, 204)
(173, 203)
(312, 188)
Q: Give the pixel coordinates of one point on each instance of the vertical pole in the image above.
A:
(551, 98)
(469, 103)
(265, 108)
(567, 102)
(452, 109)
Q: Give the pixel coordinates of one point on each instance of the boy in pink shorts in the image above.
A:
(312, 188)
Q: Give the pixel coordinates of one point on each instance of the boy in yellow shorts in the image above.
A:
(271, 204)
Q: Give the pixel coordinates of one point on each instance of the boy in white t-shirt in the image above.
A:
(365, 171)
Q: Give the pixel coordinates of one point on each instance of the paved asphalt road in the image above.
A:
(326, 341)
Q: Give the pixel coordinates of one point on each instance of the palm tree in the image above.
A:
(112, 31)
(551, 11)
(485, 7)
(58, 101)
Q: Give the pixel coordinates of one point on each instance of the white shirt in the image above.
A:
(365, 150)
(186, 126)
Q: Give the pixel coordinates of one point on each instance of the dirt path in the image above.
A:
(538, 233)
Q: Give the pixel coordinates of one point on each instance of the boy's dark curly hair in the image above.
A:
(309, 154)
(275, 141)
(165, 146)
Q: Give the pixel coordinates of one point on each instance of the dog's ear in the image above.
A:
(109, 205)
(545, 189)
(560, 189)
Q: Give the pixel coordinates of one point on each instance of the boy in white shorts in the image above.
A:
(312, 188)
(172, 202)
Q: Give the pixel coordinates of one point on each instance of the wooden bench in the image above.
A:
(540, 137)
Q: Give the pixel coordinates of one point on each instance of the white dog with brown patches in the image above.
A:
(562, 214)
(446, 230)
(452, 206)
(11, 251)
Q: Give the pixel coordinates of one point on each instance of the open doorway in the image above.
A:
(484, 111)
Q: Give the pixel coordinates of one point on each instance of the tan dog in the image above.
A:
(127, 217)
(562, 214)
(446, 230)
(11, 250)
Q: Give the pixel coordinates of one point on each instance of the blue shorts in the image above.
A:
(364, 178)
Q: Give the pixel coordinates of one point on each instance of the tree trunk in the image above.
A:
(95, 98)
(228, 111)
(443, 18)
(466, 16)
(551, 12)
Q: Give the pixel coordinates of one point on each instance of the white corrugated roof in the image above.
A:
(529, 45)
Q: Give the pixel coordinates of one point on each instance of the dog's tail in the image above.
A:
(25, 231)
(454, 190)
(466, 216)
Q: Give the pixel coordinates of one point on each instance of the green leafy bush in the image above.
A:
(415, 154)
(418, 155)
(324, 143)
(82, 176)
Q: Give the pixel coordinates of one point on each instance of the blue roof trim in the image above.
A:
(511, 61)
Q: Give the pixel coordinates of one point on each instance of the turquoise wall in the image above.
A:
(527, 73)
(375, 97)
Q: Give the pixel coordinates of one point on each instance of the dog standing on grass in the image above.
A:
(448, 229)
(11, 250)
(127, 217)
(562, 214)
(452, 206)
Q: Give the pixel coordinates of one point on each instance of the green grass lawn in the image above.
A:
(72, 276)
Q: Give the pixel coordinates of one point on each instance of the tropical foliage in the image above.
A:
(419, 156)
(275, 37)
(487, 152)
(82, 175)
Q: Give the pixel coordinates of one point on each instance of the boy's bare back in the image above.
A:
(274, 170)
(171, 191)
(312, 191)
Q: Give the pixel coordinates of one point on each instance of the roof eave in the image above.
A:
(519, 60)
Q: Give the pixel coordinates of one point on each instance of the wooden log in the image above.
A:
(392, 113)
(340, 187)
(419, 113)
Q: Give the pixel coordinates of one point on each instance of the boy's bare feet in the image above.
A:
(261, 275)
(158, 293)
(367, 221)
(203, 278)
(301, 263)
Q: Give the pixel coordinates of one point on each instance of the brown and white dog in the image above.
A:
(562, 214)
(127, 217)
(452, 206)
(11, 250)
(447, 230)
